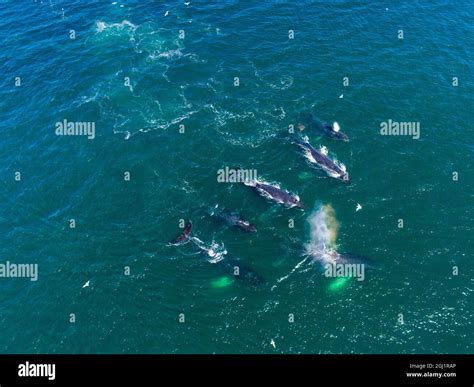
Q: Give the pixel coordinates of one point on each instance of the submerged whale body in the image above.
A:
(231, 266)
(307, 118)
(234, 219)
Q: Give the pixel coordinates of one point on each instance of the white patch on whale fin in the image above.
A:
(336, 127)
(323, 150)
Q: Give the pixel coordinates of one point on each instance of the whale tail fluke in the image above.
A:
(184, 236)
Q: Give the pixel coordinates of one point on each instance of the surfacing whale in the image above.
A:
(308, 119)
(216, 254)
(233, 218)
(334, 131)
(321, 159)
(275, 193)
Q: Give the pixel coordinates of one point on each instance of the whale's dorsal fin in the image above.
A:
(336, 127)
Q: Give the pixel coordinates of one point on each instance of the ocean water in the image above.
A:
(73, 59)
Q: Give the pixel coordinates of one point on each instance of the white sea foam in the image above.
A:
(215, 252)
(223, 116)
(102, 26)
(285, 83)
(171, 54)
(163, 125)
(282, 113)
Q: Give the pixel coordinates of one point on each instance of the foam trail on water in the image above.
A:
(298, 265)
(102, 26)
(215, 252)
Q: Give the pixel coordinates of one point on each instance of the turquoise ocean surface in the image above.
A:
(177, 91)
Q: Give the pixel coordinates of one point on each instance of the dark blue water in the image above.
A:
(144, 71)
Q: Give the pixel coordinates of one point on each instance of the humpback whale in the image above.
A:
(183, 237)
(331, 256)
(337, 264)
(322, 247)
(275, 193)
(216, 253)
(234, 219)
(235, 268)
(321, 159)
(333, 130)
